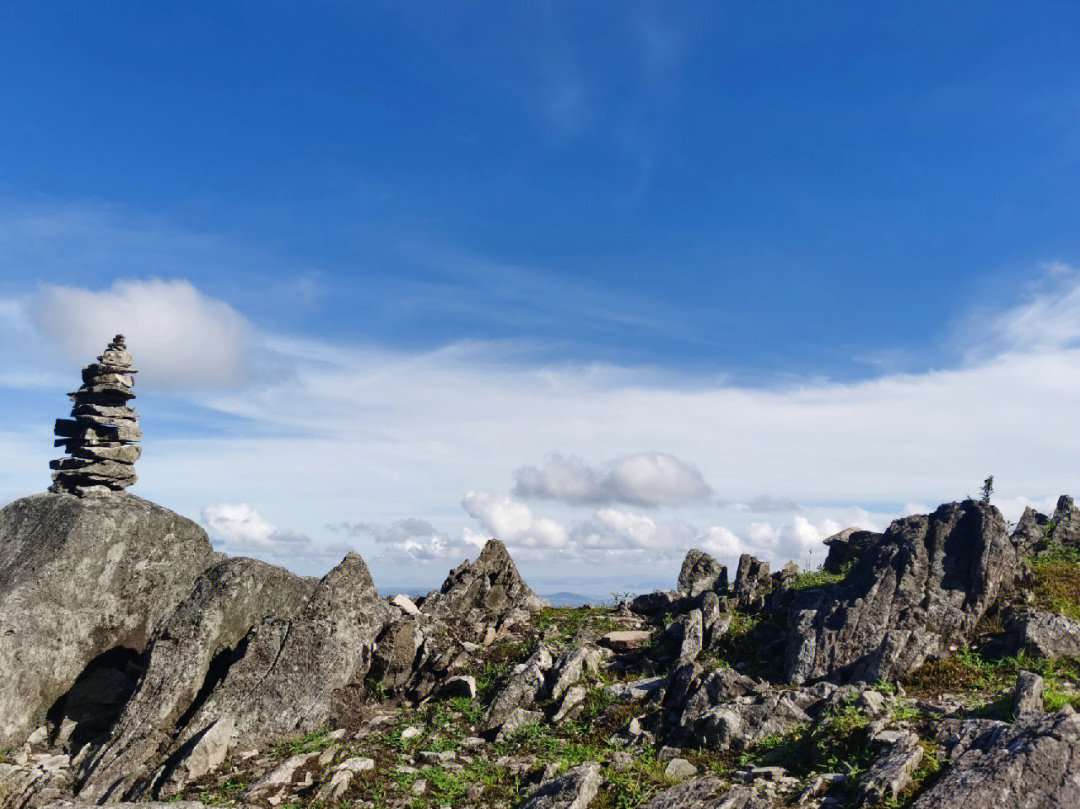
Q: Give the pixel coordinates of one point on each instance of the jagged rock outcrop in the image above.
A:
(708, 792)
(80, 578)
(296, 673)
(701, 572)
(1033, 764)
(752, 582)
(1043, 634)
(102, 435)
(847, 547)
(925, 584)
(482, 597)
(189, 655)
(574, 789)
(1066, 522)
(1030, 532)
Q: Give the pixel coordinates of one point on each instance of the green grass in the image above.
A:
(811, 579)
(1057, 581)
(994, 680)
(313, 742)
(569, 622)
(226, 794)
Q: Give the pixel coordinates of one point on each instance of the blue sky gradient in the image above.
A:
(745, 197)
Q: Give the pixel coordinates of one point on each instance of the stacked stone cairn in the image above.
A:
(102, 435)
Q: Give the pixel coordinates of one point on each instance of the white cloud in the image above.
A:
(513, 522)
(644, 479)
(377, 435)
(180, 338)
(242, 531)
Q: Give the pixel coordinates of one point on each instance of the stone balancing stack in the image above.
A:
(102, 435)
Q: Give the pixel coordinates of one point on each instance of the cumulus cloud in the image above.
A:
(413, 539)
(513, 522)
(180, 337)
(240, 529)
(643, 479)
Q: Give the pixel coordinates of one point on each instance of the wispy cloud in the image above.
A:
(644, 479)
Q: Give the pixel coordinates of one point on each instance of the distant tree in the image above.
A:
(987, 490)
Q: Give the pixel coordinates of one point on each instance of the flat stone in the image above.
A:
(405, 604)
(679, 769)
(627, 640)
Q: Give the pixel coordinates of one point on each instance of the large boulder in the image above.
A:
(80, 578)
(1066, 522)
(486, 593)
(1031, 532)
(701, 572)
(847, 547)
(289, 674)
(924, 585)
(1034, 764)
(190, 653)
(1044, 634)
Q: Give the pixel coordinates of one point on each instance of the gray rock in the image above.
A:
(925, 584)
(1030, 532)
(572, 703)
(739, 725)
(891, 769)
(637, 689)
(1066, 522)
(342, 778)
(708, 792)
(405, 604)
(679, 769)
(574, 789)
(625, 640)
(657, 602)
(574, 665)
(100, 435)
(520, 690)
(1028, 696)
(693, 636)
(1031, 765)
(69, 804)
(517, 719)
(482, 593)
(847, 547)
(79, 578)
(460, 685)
(752, 582)
(1044, 634)
(193, 649)
(700, 573)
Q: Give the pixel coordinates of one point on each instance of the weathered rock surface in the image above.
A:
(1030, 765)
(892, 769)
(192, 651)
(708, 793)
(1030, 532)
(574, 789)
(1066, 522)
(847, 547)
(101, 435)
(487, 593)
(80, 577)
(1044, 634)
(701, 572)
(925, 584)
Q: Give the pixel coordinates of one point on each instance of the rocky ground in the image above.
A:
(934, 665)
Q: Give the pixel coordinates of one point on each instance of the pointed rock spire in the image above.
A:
(102, 435)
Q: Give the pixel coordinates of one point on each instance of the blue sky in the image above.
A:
(340, 222)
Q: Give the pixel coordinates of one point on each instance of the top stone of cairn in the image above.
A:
(102, 435)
